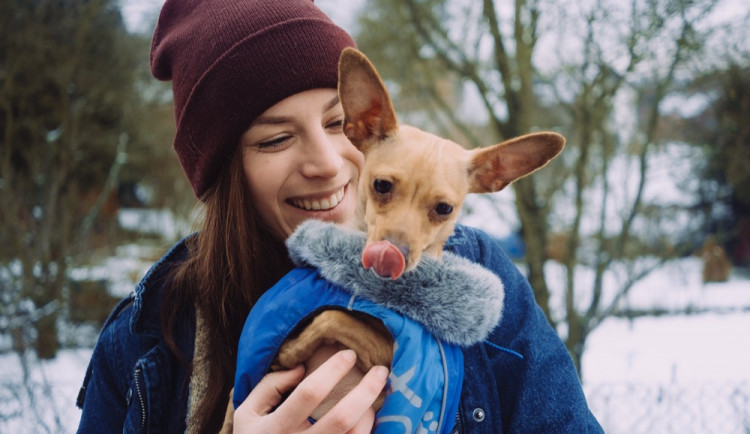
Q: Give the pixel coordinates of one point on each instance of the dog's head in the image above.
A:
(414, 183)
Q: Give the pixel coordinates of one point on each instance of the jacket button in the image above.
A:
(478, 414)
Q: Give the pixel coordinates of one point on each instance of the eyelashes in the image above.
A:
(273, 143)
(336, 126)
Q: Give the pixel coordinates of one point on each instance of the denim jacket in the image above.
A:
(520, 380)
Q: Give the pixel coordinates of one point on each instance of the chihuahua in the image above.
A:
(410, 193)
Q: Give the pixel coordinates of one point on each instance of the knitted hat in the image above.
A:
(229, 61)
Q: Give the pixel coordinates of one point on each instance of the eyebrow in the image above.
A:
(332, 103)
(275, 120)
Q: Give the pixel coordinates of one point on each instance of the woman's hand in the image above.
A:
(353, 414)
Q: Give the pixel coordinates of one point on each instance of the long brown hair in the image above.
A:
(232, 261)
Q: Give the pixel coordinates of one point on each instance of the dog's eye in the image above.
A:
(382, 186)
(443, 208)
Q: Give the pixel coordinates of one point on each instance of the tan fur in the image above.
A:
(425, 170)
(427, 173)
(335, 329)
(368, 337)
(346, 384)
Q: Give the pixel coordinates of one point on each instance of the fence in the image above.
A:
(707, 408)
(41, 404)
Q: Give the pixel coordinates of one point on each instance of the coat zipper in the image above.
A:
(140, 397)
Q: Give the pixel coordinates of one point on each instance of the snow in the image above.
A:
(674, 374)
(161, 222)
(649, 374)
(123, 270)
(685, 374)
(684, 349)
(711, 346)
(666, 374)
(45, 401)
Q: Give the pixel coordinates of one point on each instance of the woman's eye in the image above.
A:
(272, 143)
(335, 125)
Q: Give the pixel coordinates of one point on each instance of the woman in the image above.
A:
(259, 137)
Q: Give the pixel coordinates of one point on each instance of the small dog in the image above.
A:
(410, 193)
(414, 183)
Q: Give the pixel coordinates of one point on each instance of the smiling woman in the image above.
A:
(259, 137)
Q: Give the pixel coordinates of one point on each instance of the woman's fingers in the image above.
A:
(365, 424)
(354, 412)
(269, 391)
(313, 390)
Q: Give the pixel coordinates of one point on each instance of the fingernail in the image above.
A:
(349, 355)
(381, 372)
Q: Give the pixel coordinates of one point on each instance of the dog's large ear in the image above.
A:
(368, 110)
(492, 169)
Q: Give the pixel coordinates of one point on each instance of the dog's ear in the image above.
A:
(368, 109)
(492, 169)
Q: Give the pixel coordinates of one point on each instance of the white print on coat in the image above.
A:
(399, 384)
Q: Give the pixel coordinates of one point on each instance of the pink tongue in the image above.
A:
(384, 258)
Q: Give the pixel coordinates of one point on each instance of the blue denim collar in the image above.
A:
(145, 318)
(457, 240)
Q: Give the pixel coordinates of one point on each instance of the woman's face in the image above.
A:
(299, 164)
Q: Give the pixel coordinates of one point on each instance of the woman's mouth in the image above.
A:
(321, 204)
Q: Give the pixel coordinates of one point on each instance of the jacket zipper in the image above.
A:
(140, 397)
(458, 429)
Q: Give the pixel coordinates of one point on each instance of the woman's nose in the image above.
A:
(322, 158)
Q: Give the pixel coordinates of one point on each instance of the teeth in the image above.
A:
(320, 204)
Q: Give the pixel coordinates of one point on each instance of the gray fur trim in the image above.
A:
(455, 299)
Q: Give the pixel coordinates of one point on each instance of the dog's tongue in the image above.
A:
(384, 258)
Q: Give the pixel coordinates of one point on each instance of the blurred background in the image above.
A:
(636, 240)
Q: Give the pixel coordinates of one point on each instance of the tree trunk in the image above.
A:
(534, 226)
(46, 342)
(575, 341)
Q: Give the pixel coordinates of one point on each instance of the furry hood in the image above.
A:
(457, 300)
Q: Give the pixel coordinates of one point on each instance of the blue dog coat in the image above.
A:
(430, 312)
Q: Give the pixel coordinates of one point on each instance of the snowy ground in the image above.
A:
(45, 401)
(684, 374)
(674, 374)
(711, 346)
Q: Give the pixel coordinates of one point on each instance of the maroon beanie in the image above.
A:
(229, 61)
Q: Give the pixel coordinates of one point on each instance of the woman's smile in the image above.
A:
(319, 204)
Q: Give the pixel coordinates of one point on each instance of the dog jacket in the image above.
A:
(431, 312)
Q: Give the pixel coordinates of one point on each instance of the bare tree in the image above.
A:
(626, 237)
(66, 78)
(579, 69)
